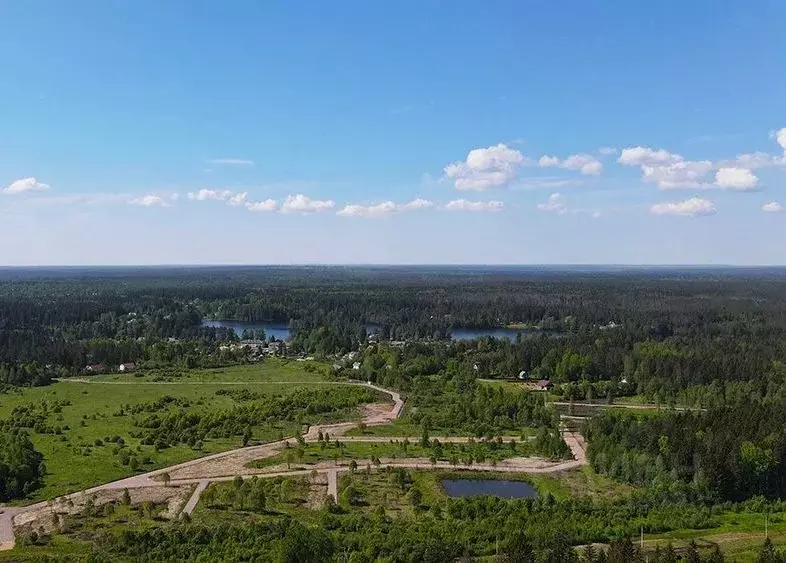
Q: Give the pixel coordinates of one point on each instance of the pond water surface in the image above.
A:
(494, 487)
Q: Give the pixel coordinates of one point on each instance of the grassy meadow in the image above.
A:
(87, 415)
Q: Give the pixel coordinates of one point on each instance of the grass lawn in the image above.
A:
(739, 534)
(60, 547)
(273, 370)
(88, 413)
(582, 482)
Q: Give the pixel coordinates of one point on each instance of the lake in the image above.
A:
(493, 487)
(282, 332)
(279, 331)
(500, 333)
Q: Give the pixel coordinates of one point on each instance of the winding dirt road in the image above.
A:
(197, 474)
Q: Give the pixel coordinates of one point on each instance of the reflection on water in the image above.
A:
(277, 331)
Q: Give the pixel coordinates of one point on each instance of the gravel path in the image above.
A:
(332, 491)
(192, 502)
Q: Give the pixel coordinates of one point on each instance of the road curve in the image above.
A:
(8, 514)
(202, 471)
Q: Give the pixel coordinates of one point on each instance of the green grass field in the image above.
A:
(273, 370)
(73, 460)
(739, 534)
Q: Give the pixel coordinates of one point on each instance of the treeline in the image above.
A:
(29, 374)
(732, 452)
(662, 332)
(21, 466)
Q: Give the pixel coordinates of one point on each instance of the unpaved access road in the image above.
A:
(226, 465)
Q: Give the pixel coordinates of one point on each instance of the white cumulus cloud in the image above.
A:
(238, 199)
(588, 165)
(585, 163)
(683, 174)
(301, 204)
(266, 205)
(383, 209)
(25, 185)
(546, 161)
(368, 211)
(693, 207)
(555, 204)
(754, 160)
(666, 169)
(736, 179)
(485, 168)
(417, 203)
(645, 156)
(780, 137)
(465, 205)
(773, 207)
(205, 194)
(151, 200)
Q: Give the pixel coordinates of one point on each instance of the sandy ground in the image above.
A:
(317, 491)
(42, 515)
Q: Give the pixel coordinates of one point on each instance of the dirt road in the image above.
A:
(226, 465)
(332, 491)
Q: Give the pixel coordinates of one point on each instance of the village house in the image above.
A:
(544, 385)
(127, 367)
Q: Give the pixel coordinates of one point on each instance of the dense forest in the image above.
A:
(729, 452)
(662, 332)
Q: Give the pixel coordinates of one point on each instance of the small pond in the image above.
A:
(494, 487)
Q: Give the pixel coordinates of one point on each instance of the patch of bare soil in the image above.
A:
(317, 491)
(173, 496)
(377, 413)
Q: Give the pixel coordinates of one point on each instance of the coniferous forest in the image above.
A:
(683, 373)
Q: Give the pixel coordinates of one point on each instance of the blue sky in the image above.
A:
(171, 132)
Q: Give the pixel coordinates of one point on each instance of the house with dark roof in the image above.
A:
(544, 385)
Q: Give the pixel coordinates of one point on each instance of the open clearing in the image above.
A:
(86, 412)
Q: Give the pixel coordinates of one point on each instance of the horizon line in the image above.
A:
(397, 265)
